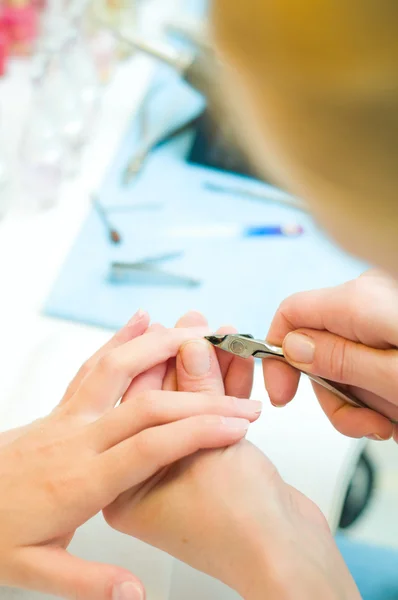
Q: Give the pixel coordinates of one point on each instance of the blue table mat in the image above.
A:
(243, 280)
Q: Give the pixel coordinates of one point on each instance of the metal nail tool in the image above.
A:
(150, 143)
(246, 346)
(147, 272)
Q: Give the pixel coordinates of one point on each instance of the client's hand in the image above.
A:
(228, 513)
(61, 470)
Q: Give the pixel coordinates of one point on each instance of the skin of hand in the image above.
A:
(227, 512)
(349, 334)
(61, 470)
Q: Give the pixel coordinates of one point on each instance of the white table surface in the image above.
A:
(39, 355)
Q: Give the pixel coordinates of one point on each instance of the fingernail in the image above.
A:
(236, 424)
(253, 407)
(278, 405)
(375, 437)
(299, 348)
(257, 406)
(136, 317)
(127, 591)
(195, 357)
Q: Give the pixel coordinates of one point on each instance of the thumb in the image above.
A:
(198, 369)
(55, 571)
(343, 361)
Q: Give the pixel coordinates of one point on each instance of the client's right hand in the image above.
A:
(58, 472)
(229, 513)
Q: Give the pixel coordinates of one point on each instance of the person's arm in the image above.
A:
(228, 512)
(58, 472)
(283, 574)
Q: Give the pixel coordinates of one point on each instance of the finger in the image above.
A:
(139, 457)
(330, 309)
(198, 369)
(281, 381)
(333, 310)
(333, 357)
(224, 368)
(163, 376)
(154, 408)
(352, 421)
(225, 359)
(237, 372)
(53, 571)
(151, 379)
(190, 319)
(134, 328)
(101, 389)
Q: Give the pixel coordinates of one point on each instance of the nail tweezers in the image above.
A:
(147, 272)
(246, 346)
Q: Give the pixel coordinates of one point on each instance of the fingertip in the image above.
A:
(128, 590)
(156, 327)
(281, 382)
(353, 421)
(192, 318)
(226, 329)
(235, 428)
(136, 326)
(239, 377)
(140, 316)
(377, 438)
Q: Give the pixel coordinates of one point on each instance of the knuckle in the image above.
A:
(200, 386)
(144, 446)
(146, 396)
(85, 368)
(148, 406)
(287, 308)
(109, 364)
(287, 304)
(284, 306)
(338, 360)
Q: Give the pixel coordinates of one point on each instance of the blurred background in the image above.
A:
(122, 185)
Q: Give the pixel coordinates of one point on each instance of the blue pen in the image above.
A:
(235, 231)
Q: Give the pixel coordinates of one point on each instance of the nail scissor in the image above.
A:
(245, 346)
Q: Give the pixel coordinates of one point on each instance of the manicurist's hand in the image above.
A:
(349, 334)
(58, 472)
(227, 512)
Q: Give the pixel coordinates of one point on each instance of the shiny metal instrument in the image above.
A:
(246, 346)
